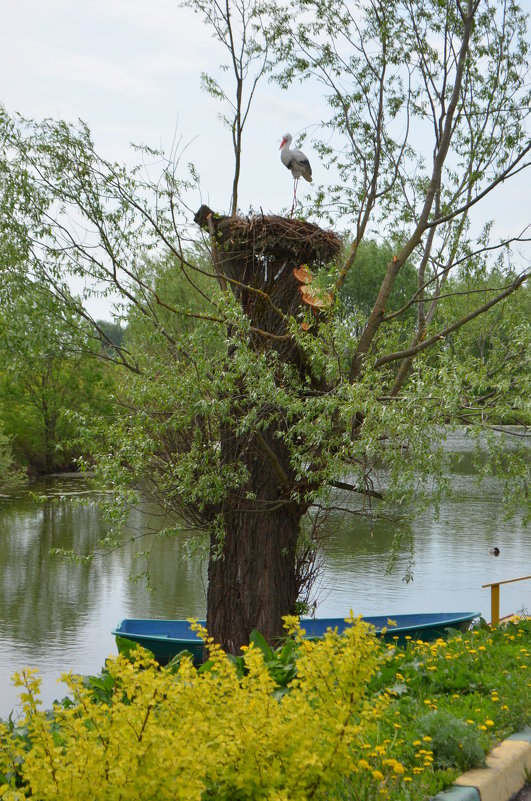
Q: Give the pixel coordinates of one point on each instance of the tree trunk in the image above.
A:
(255, 571)
(49, 426)
(253, 574)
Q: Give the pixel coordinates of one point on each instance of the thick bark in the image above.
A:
(253, 576)
(254, 581)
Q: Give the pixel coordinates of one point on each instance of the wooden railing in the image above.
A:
(495, 597)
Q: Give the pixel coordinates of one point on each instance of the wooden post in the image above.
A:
(495, 597)
(494, 604)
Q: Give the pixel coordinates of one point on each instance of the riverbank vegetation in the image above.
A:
(346, 717)
(51, 369)
(10, 476)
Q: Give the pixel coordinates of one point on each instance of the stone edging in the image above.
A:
(508, 766)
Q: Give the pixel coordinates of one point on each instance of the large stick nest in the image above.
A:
(267, 262)
(273, 236)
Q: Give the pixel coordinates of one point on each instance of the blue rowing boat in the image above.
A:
(166, 638)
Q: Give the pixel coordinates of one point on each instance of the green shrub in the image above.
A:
(454, 743)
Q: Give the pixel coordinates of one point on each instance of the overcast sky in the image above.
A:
(131, 70)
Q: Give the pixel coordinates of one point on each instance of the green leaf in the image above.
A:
(128, 647)
(259, 641)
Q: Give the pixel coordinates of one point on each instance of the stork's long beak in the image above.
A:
(283, 143)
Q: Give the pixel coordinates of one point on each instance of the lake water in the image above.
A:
(58, 616)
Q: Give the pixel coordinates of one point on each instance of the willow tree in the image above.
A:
(275, 406)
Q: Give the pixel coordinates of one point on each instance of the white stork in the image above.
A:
(297, 162)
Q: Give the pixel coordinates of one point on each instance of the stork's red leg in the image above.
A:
(296, 181)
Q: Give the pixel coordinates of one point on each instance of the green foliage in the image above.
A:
(360, 290)
(9, 475)
(127, 648)
(281, 662)
(452, 700)
(114, 332)
(453, 742)
(488, 356)
(47, 369)
(190, 306)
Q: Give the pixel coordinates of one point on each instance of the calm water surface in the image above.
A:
(58, 616)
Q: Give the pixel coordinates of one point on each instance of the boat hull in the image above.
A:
(166, 638)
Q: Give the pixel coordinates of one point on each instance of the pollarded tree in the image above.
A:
(292, 409)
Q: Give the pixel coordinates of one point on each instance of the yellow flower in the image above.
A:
(362, 763)
(378, 775)
(427, 739)
(489, 723)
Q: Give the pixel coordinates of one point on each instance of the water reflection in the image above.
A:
(58, 615)
(39, 592)
(451, 558)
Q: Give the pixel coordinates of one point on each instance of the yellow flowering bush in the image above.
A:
(342, 718)
(199, 735)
